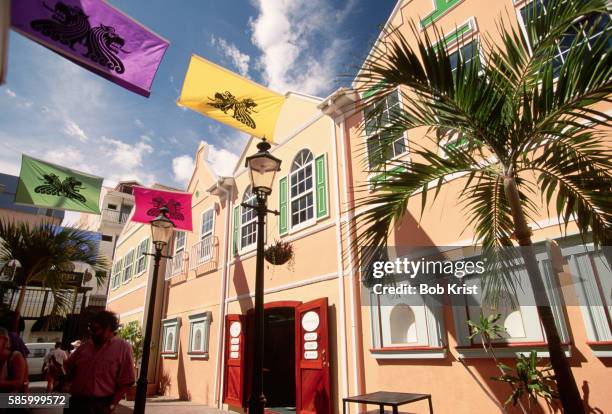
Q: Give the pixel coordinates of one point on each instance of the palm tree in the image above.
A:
(532, 129)
(47, 254)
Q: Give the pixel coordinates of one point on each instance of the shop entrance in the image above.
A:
(296, 375)
(279, 359)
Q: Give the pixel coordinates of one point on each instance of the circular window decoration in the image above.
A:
(310, 321)
(235, 329)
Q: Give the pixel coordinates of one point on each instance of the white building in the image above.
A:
(115, 206)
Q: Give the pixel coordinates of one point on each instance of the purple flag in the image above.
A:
(94, 35)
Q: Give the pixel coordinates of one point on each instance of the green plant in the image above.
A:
(527, 379)
(488, 329)
(46, 254)
(279, 253)
(131, 333)
(529, 131)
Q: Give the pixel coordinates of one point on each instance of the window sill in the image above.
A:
(247, 249)
(601, 349)
(509, 350)
(169, 355)
(198, 355)
(302, 226)
(409, 352)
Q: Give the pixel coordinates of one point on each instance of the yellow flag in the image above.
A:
(230, 98)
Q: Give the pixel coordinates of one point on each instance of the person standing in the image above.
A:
(101, 370)
(13, 368)
(54, 367)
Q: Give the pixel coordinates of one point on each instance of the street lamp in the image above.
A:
(262, 170)
(161, 231)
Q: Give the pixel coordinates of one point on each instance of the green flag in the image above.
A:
(48, 185)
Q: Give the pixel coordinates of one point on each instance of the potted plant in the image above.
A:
(133, 335)
(279, 253)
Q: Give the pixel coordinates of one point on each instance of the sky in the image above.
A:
(55, 110)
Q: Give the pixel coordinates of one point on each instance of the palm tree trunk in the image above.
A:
(566, 384)
(22, 292)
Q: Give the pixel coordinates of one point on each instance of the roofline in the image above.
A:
(304, 95)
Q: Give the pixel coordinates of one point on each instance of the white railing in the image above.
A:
(176, 265)
(114, 216)
(202, 251)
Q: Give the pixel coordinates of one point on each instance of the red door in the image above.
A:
(312, 394)
(235, 346)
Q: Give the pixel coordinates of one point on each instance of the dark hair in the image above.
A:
(106, 319)
(58, 344)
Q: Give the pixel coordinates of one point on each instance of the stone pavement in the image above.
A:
(157, 405)
(164, 405)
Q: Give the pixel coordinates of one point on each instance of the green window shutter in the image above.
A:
(321, 185)
(236, 233)
(283, 206)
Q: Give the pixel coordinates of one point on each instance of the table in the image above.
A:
(384, 398)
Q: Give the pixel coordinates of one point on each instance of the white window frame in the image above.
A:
(117, 271)
(178, 258)
(141, 257)
(534, 337)
(204, 319)
(251, 199)
(594, 307)
(313, 190)
(173, 326)
(429, 326)
(519, 6)
(211, 232)
(404, 135)
(128, 267)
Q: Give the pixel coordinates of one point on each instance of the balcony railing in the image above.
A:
(114, 216)
(176, 266)
(40, 301)
(202, 252)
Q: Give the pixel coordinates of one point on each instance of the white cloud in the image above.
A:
(239, 60)
(182, 168)
(221, 160)
(10, 93)
(72, 129)
(138, 123)
(291, 35)
(125, 154)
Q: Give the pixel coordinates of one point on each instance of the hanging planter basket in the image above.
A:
(279, 253)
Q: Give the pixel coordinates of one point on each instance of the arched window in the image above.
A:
(248, 220)
(301, 194)
(402, 324)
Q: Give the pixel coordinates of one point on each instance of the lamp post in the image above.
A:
(161, 229)
(262, 169)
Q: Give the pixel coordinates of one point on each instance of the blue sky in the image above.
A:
(57, 111)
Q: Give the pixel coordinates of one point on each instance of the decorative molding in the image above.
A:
(316, 279)
(127, 292)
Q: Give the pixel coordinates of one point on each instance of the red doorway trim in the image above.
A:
(282, 304)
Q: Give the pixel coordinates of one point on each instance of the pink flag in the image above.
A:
(150, 200)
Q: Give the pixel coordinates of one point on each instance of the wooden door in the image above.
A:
(313, 395)
(235, 360)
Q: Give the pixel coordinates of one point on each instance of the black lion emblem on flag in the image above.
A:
(174, 208)
(68, 188)
(242, 109)
(69, 25)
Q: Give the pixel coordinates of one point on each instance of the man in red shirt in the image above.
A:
(101, 370)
